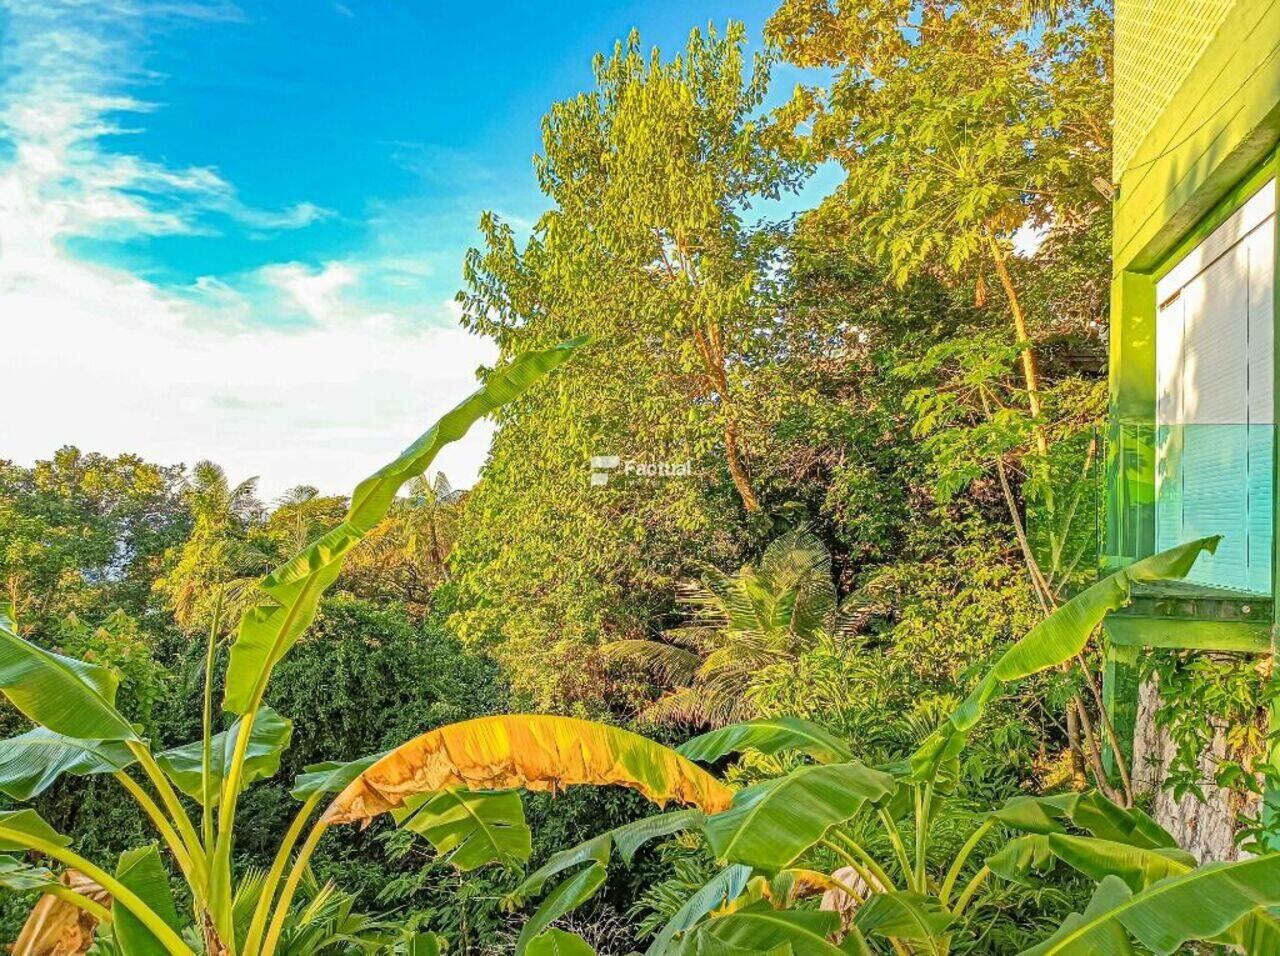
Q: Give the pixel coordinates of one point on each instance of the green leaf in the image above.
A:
(627, 839)
(30, 763)
(1089, 811)
(140, 870)
(556, 942)
(423, 944)
(1056, 639)
(1019, 858)
(771, 823)
(291, 593)
(760, 928)
(65, 695)
(1092, 932)
(769, 736)
(267, 742)
(331, 776)
(26, 823)
(908, 916)
(17, 876)
(567, 896)
(596, 850)
(1198, 905)
(726, 885)
(1139, 867)
(472, 827)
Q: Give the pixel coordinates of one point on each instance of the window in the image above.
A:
(1214, 412)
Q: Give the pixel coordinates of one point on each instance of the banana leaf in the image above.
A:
(769, 736)
(331, 776)
(16, 824)
(289, 595)
(18, 876)
(716, 892)
(65, 695)
(1089, 811)
(760, 928)
(537, 752)
(911, 917)
(1202, 904)
(566, 897)
(772, 823)
(472, 828)
(1056, 639)
(32, 762)
(140, 870)
(268, 740)
(626, 839)
(556, 942)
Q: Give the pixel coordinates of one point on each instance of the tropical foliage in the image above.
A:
(832, 686)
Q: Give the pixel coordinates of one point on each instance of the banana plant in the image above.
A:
(452, 785)
(778, 838)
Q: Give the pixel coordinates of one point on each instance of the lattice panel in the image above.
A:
(1156, 44)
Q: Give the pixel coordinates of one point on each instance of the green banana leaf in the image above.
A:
(566, 897)
(772, 823)
(331, 776)
(140, 870)
(912, 917)
(268, 740)
(726, 885)
(1089, 811)
(1021, 857)
(471, 828)
(626, 839)
(759, 928)
(769, 736)
(290, 594)
(16, 824)
(1203, 904)
(17, 876)
(65, 695)
(1056, 639)
(1094, 931)
(1138, 866)
(630, 837)
(598, 851)
(556, 942)
(32, 762)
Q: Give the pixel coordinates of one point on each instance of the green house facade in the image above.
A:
(1191, 445)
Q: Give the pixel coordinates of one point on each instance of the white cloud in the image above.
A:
(102, 358)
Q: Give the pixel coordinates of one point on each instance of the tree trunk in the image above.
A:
(737, 470)
(1205, 830)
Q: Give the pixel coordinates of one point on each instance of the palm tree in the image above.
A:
(765, 614)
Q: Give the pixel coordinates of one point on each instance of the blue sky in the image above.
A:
(235, 230)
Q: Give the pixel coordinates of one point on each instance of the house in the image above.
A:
(1191, 447)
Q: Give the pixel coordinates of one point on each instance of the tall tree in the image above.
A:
(647, 248)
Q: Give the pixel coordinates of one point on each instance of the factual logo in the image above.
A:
(604, 467)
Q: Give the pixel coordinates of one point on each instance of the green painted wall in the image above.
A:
(1197, 121)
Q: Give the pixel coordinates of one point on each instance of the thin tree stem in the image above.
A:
(291, 887)
(206, 756)
(171, 803)
(895, 839)
(953, 874)
(263, 907)
(170, 836)
(966, 897)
